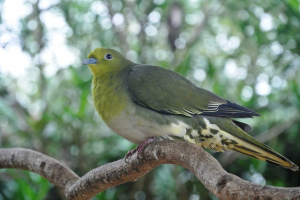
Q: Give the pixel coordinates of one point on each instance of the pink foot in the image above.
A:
(139, 149)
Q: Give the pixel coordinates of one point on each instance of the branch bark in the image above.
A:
(221, 183)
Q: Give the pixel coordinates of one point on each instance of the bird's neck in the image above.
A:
(109, 94)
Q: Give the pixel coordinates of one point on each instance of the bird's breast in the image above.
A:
(109, 97)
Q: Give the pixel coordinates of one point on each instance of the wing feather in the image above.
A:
(168, 92)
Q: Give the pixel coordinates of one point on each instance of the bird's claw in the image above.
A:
(138, 149)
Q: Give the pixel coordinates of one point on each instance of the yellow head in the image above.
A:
(103, 60)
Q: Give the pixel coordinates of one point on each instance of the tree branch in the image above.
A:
(49, 168)
(190, 156)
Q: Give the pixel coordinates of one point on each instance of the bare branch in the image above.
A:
(190, 156)
(49, 168)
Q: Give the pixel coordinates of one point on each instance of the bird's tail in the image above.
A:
(231, 137)
(261, 152)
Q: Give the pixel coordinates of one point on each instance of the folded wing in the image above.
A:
(168, 92)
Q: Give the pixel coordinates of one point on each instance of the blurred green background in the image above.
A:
(245, 51)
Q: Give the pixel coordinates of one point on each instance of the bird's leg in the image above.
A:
(139, 149)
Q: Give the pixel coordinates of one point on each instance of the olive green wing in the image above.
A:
(168, 92)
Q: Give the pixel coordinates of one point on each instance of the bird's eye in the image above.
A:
(108, 56)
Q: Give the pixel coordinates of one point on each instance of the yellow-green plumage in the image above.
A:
(108, 96)
(142, 101)
(108, 86)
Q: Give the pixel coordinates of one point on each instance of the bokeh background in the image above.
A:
(245, 51)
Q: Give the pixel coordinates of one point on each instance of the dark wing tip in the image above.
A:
(236, 111)
(232, 110)
(255, 113)
(245, 127)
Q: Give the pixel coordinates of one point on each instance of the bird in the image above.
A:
(144, 103)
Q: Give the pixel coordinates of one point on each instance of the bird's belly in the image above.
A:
(139, 124)
(134, 129)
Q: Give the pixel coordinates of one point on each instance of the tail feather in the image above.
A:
(253, 150)
(218, 133)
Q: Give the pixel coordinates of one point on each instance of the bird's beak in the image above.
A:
(89, 61)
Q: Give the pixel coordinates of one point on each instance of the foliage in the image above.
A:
(245, 51)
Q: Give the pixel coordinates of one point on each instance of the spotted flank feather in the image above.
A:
(217, 138)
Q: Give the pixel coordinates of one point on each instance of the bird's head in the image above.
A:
(102, 60)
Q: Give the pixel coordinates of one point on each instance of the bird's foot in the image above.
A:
(139, 149)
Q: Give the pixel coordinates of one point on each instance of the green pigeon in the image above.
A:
(143, 103)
